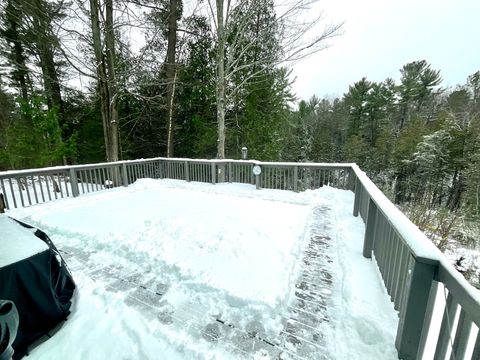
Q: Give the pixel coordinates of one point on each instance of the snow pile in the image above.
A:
(16, 242)
(224, 251)
(223, 241)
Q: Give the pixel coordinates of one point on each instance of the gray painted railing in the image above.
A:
(413, 269)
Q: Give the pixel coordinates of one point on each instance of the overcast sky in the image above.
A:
(380, 36)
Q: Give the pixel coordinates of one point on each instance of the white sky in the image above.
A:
(380, 36)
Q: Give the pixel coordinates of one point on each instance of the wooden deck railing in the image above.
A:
(413, 269)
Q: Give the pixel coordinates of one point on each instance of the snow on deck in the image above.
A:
(17, 242)
(190, 270)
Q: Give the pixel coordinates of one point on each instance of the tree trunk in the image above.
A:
(220, 81)
(457, 190)
(44, 44)
(112, 80)
(103, 89)
(171, 72)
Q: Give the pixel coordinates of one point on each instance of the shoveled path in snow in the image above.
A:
(301, 336)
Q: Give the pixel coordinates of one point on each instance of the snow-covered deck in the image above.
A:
(175, 270)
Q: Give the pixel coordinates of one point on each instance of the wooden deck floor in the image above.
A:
(303, 319)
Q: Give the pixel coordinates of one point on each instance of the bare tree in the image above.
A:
(298, 37)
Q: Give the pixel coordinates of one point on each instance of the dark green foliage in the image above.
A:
(34, 138)
(258, 91)
(258, 124)
(196, 109)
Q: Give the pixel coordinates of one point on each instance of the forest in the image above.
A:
(85, 81)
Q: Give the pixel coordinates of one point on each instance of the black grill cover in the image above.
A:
(41, 287)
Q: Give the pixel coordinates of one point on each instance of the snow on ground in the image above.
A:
(217, 251)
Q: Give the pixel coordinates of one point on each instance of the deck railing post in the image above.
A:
(124, 175)
(420, 278)
(358, 193)
(160, 170)
(74, 182)
(370, 229)
(351, 179)
(187, 171)
(295, 178)
(229, 171)
(221, 172)
(214, 173)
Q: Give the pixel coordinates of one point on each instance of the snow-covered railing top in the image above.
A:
(415, 272)
(413, 269)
